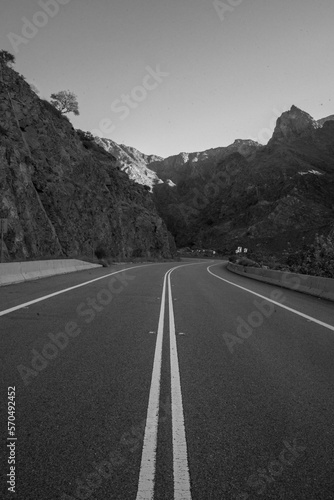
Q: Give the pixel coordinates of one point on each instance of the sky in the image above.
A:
(166, 76)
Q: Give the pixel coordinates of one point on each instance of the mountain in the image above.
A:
(293, 125)
(322, 121)
(132, 161)
(176, 167)
(272, 197)
(64, 196)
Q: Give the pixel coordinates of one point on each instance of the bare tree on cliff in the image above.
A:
(7, 58)
(65, 101)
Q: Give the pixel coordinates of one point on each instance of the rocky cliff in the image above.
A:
(273, 197)
(294, 124)
(61, 196)
(131, 161)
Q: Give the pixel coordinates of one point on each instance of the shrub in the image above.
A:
(88, 141)
(100, 252)
(137, 252)
(244, 261)
(84, 135)
(7, 58)
(315, 260)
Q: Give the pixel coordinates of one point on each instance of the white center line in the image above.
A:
(180, 461)
(180, 454)
(148, 459)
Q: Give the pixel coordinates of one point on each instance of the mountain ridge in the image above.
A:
(63, 196)
(132, 161)
(171, 168)
(271, 198)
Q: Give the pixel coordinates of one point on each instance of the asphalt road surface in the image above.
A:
(165, 381)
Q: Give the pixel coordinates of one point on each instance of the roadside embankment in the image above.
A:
(16, 272)
(312, 285)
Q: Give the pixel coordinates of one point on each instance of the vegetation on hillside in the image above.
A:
(65, 101)
(7, 58)
(315, 260)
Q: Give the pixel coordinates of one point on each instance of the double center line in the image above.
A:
(180, 457)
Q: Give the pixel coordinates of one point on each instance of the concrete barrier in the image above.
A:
(16, 272)
(312, 285)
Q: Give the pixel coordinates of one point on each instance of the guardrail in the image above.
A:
(312, 285)
(16, 272)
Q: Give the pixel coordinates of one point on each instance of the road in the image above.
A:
(167, 381)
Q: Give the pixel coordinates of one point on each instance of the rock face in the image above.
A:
(64, 197)
(292, 125)
(132, 161)
(272, 197)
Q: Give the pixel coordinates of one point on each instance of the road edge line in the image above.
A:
(310, 318)
(54, 294)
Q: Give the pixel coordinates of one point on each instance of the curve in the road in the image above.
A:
(306, 316)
